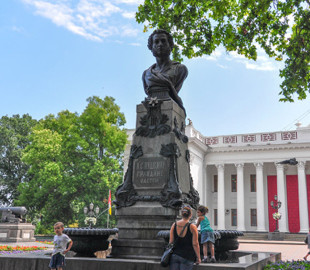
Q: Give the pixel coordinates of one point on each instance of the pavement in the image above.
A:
(290, 250)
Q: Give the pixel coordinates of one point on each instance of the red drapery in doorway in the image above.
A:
(308, 194)
(292, 203)
(272, 190)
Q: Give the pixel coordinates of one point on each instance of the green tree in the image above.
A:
(74, 160)
(200, 26)
(14, 137)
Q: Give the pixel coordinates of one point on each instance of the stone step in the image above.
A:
(264, 236)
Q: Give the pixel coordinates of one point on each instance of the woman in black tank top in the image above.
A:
(186, 250)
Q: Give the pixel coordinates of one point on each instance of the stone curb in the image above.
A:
(271, 242)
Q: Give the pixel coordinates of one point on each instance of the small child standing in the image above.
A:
(308, 242)
(207, 235)
(60, 247)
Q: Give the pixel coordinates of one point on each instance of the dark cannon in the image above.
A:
(225, 240)
(13, 214)
(86, 241)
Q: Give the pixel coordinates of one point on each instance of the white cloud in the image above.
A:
(17, 29)
(130, 2)
(129, 15)
(222, 66)
(135, 44)
(262, 63)
(91, 19)
(266, 66)
(127, 30)
(223, 59)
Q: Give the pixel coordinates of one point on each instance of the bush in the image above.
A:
(288, 265)
(40, 229)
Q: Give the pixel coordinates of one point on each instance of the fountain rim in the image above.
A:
(90, 231)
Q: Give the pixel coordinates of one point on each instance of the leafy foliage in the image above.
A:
(200, 26)
(14, 137)
(74, 160)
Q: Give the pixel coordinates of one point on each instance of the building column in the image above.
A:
(204, 199)
(220, 197)
(282, 195)
(303, 199)
(240, 197)
(260, 198)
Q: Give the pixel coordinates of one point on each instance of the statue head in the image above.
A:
(156, 33)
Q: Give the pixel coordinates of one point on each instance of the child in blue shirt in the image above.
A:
(207, 235)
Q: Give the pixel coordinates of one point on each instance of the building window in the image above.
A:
(215, 183)
(253, 217)
(233, 217)
(233, 183)
(253, 182)
(215, 217)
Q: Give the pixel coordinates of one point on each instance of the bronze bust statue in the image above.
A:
(163, 80)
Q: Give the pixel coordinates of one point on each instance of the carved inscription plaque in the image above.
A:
(150, 172)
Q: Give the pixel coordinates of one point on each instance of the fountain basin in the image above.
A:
(225, 240)
(87, 241)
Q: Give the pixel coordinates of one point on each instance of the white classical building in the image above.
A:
(237, 177)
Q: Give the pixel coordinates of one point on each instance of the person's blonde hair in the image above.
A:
(59, 224)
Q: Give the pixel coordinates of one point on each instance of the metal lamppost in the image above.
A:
(276, 204)
(91, 214)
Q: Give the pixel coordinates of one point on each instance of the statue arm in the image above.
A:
(144, 83)
(182, 73)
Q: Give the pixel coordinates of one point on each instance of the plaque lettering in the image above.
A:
(150, 172)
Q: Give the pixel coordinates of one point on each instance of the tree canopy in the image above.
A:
(74, 160)
(280, 27)
(14, 137)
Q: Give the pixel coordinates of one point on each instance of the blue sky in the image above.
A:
(55, 54)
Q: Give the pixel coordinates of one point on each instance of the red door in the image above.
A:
(308, 194)
(272, 190)
(292, 203)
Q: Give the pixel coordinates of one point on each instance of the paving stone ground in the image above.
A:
(289, 250)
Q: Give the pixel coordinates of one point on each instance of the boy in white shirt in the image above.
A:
(60, 247)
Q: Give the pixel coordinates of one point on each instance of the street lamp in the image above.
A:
(276, 204)
(91, 214)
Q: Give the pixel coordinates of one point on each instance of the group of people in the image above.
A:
(184, 236)
(186, 251)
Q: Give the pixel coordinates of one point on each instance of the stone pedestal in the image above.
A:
(138, 226)
(277, 236)
(17, 232)
(157, 182)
